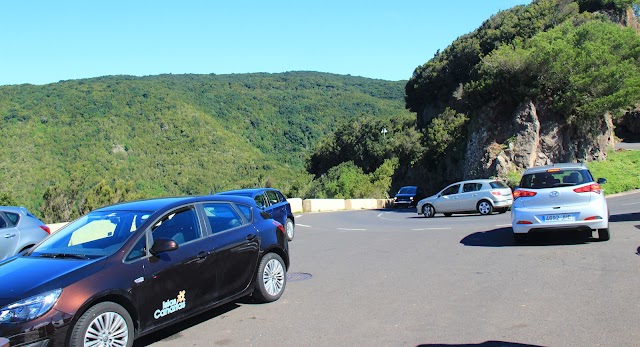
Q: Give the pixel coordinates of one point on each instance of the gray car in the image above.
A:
(483, 196)
(19, 230)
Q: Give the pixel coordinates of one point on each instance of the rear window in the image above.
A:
(559, 178)
(498, 185)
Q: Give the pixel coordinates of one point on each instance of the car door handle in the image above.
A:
(251, 237)
(8, 236)
(198, 258)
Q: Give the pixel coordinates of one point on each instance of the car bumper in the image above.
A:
(538, 218)
(47, 331)
(502, 203)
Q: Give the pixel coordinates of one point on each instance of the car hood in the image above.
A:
(25, 276)
(431, 198)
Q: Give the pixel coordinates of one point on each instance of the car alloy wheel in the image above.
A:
(105, 324)
(428, 211)
(273, 277)
(108, 329)
(289, 228)
(484, 207)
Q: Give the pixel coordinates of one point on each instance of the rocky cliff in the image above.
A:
(531, 136)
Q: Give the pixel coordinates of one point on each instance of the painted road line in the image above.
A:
(503, 225)
(302, 225)
(348, 229)
(633, 203)
(420, 229)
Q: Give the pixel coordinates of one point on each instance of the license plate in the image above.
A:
(559, 218)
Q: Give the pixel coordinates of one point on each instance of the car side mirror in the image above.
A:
(162, 245)
(602, 180)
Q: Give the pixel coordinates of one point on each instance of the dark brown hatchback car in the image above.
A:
(126, 270)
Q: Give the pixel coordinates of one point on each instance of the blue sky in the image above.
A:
(48, 41)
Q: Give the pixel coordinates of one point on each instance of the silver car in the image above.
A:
(19, 230)
(559, 196)
(483, 196)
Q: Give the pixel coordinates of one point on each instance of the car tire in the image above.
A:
(449, 214)
(289, 228)
(104, 321)
(520, 237)
(428, 211)
(271, 278)
(603, 234)
(484, 207)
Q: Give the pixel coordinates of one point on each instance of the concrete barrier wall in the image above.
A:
(319, 205)
(296, 205)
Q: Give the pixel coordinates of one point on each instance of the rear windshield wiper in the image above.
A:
(63, 256)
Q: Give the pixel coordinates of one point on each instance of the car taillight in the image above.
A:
(592, 188)
(279, 226)
(496, 193)
(45, 228)
(523, 194)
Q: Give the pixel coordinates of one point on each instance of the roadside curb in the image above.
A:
(629, 192)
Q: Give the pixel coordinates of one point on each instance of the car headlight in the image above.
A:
(30, 308)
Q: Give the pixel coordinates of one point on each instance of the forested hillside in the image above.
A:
(76, 145)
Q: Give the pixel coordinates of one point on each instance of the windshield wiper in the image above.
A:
(63, 256)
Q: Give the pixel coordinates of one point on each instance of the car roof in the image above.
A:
(152, 205)
(562, 166)
(480, 180)
(245, 191)
(15, 209)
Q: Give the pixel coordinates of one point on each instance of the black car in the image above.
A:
(407, 196)
(129, 269)
(273, 202)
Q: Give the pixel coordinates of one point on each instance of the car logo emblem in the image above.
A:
(554, 194)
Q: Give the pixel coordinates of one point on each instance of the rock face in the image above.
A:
(532, 137)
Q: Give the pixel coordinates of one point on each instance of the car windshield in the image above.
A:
(93, 235)
(555, 178)
(407, 190)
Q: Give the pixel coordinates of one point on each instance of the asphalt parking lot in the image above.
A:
(392, 278)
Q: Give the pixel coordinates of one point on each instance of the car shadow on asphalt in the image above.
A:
(503, 237)
(174, 331)
(483, 344)
(625, 217)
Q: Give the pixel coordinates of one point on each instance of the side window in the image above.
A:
(246, 212)
(471, 187)
(451, 190)
(222, 216)
(273, 197)
(13, 217)
(3, 224)
(139, 250)
(180, 225)
(261, 201)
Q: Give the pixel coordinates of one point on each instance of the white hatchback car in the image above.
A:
(483, 196)
(559, 196)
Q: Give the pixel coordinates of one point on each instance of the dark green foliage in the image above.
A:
(438, 82)
(349, 181)
(364, 143)
(173, 134)
(583, 71)
(444, 131)
(7, 200)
